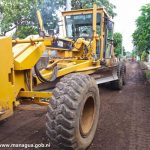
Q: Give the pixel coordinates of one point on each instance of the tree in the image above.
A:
(141, 36)
(49, 10)
(124, 51)
(89, 4)
(19, 15)
(128, 54)
(118, 43)
(144, 56)
(133, 54)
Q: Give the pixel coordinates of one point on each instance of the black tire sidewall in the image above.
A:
(89, 91)
(120, 81)
(65, 109)
(124, 74)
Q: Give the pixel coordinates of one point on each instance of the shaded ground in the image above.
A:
(124, 118)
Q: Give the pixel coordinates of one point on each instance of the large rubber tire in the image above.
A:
(124, 73)
(73, 113)
(118, 84)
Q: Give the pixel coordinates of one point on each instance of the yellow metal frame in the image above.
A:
(93, 11)
(35, 94)
(16, 76)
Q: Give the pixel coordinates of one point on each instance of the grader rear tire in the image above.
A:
(124, 74)
(73, 113)
(118, 84)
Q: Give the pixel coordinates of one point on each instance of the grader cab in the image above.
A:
(68, 83)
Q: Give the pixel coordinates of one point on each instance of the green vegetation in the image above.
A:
(49, 10)
(119, 49)
(148, 76)
(133, 54)
(144, 56)
(124, 51)
(141, 36)
(128, 54)
(89, 3)
(20, 16)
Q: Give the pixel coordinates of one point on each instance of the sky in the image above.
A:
(127, 12)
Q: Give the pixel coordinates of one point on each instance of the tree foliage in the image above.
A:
(134, 53)
(118, 43)
(144, 56)
(141, 36)
(19, 15)
(50, 7)
(100, 3)
(49, 10)
(124, 51)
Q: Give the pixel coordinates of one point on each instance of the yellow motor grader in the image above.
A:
(68, 84)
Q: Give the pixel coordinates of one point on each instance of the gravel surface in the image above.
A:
(124, 122)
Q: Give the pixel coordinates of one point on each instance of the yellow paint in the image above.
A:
(29, 57)
(35, 94)
(7, 82)
(40, 20)
(94, 27)
(16, 62)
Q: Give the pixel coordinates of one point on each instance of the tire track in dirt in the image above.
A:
(125, 115)
(124, 122)
(140, 116)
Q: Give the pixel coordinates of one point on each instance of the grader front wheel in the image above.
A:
(73, 113)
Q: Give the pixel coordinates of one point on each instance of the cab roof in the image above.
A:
(84, 11)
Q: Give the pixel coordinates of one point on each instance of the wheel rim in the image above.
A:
(87, 116)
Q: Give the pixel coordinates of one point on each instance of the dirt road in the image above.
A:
(124, 122)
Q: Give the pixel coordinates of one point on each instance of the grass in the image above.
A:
(148, 76)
